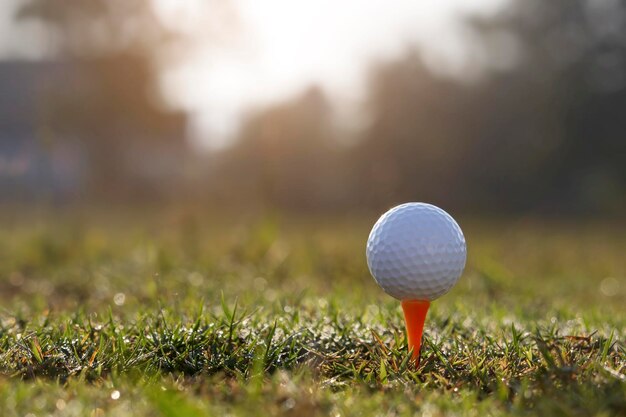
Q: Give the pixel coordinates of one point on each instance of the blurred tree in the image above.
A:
(563, 104)
(419, 130)
(287, 156)
(543, 130)
(107, 101)
(99, 27)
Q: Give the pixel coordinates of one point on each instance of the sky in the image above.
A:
(248, 53)
(18, 40)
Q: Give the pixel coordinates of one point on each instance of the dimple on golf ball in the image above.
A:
(416, 251)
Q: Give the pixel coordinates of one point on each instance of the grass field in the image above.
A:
(144, 314)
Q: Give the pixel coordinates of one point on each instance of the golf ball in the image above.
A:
(416, 251)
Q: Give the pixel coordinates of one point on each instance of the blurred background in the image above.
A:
(491, 106)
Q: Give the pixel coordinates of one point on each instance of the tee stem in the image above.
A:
(414, 315)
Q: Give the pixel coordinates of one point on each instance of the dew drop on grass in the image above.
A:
(609, 287)
(60, 404)
(289, 404)
(119, 299)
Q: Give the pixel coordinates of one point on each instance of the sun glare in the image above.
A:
(248, 53)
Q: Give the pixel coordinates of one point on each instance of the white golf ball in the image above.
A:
(416, 251)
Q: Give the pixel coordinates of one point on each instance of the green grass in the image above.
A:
(144, 314)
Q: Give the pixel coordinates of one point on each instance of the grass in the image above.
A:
(175, 315)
